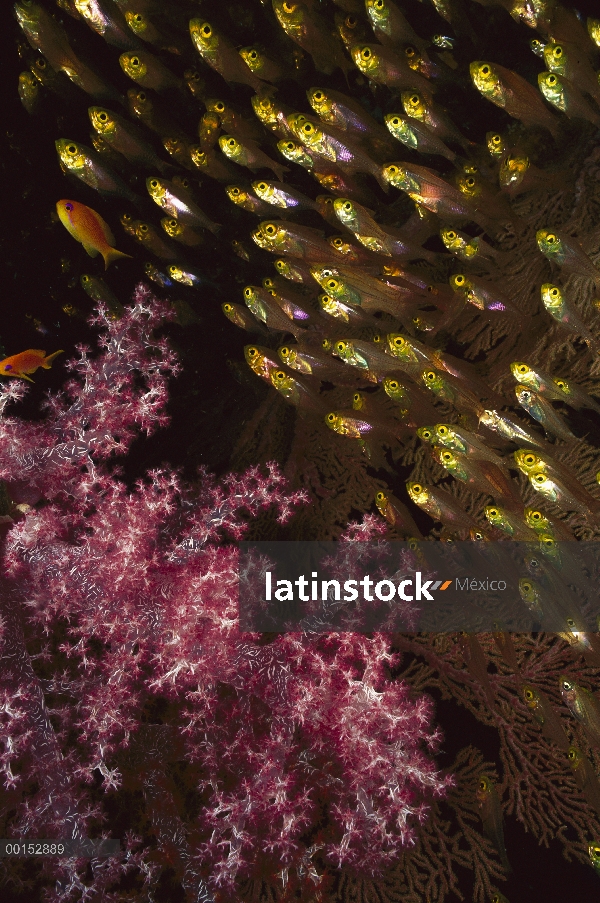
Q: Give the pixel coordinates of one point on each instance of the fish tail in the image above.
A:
(112, 254)
(47, 362)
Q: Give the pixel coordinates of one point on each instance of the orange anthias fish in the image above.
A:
(88, 227)
(26, 362)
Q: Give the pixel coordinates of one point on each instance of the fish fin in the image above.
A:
(112, 254)
(90, 250)
(23, 376)
(47, 362)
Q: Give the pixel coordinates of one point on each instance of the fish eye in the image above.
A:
(331, 418)
(430, 375)
(102, 117)
(262, 186)
(235, 191)
(206, 30)
(252, 352)
(138, 18)
(143, 228)
(558, 51)
(410, 51)
(279, 374)
(470, 182)
(526, 586)
(447, 456)
(253, 55)
(493, 512)
(417, 487)
(227, 307)
(554, 292)
(528, 694)
(459, 280)
(71, 149)
(325, 344)
(496, 139)
(356, 397)
(337, 242)
(485, 70)
(68, 206)
(379, 4)
(366, 53)
(380, 497)
(396, 120)
(285, 350)
(393, 384)
(270, 229)
(347, 206)
(529, 459)
(551, 238)
(560, 383)
(331, 284)
(451, 235)
(442, 430)
(154, 183)
(318, 95)
(340, 346)
(523, 368)
(134, 61)
(536, 515)
(87, 278)
(552, 79)
(398, 341)
(414, 100)
(231, 142)
(539, 478)
(288, 7)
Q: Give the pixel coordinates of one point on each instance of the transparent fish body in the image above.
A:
(574, 395)
(282, 196)
(303, 24)
(556, 304)
(384, 67)
(427, 189)
(420, 107)
(565, 96)
(85, 164)
(512, 93)
(583, 705)
(417, 136)
(543, 713)
(541, 409)
(348, 115)
(264, 307)
(242, 318)
(509, 523)
(125, 138)
(221, 55)
(557, 492)
(396, 514)
(567, 60)
(466, 443)
(390, 25)
(440, 506)
(147, 70)
(567, 253)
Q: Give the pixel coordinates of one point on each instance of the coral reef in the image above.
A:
(277, 766)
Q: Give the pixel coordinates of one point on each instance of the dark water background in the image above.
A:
(215, 395)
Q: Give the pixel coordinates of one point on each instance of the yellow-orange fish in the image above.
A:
(26, 362)
(88, 227)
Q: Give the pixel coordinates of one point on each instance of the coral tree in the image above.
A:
(124, 671)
